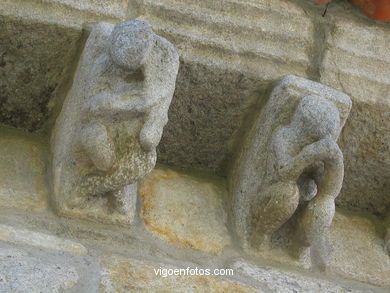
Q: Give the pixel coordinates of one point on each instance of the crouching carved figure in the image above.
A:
(106, 135)
(290, 157)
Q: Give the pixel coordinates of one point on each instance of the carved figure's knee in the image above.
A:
(151, 133)
(277, 203)
(97, 144)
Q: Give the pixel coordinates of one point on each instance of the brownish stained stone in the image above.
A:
(128, 275)
(22, 173)
(185, 210)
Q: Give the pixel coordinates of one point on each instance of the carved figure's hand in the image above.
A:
(325, 150)
(111, 104)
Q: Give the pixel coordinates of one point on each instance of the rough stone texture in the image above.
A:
(123, 275)
(33, 58)
(230, 51)
(288, 282)
(284, 157)
(185, 210)
(387, 240)
(22, 172)
(38, 43)
(26, 269)
(21, 272)
(113, 8)
(205, 113)
(68, 13)
(357, 61)
(26, 237)
(112, 120)
(358, 251)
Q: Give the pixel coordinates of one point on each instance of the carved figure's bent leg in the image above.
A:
(98, 145)
(275, 206)
(313, 226)
(315, 221)
(152, 129)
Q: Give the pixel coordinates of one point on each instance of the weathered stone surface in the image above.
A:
(185, 210)
(230, 52)
(387, 240)
(358, 251)
(124, 275)
(38, 45)
(68, 13)
(357, 61)
(22, 172)
(231, 49)
(34, 56)
(26, 237)
(22, 272)
(113, 8)
(105, 137)
(289, 156)
(283, 281)
(29, 269)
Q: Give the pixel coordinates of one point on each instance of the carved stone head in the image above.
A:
(130, 44)
(317, 117)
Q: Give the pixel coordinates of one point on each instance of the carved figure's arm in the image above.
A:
(158, 86)
(106, 104)
(325, 150)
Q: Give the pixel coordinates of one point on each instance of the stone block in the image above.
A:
(123, 275)
(34, 56)
(68, 13)
(28, 270)
(230, 53)
(276, 280)
(38, 47)
(357, 61)
(22, 171)
(26, 237)
(20, 272)
(358, 250)
(185, 210)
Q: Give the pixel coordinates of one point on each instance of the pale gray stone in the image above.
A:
(291, 155)
(231, 52)
(32, 238)
(387, 240)
(121, 274)
(288, 282)
(363, 72)
(22, 272)
(112, 120)
(387, 233)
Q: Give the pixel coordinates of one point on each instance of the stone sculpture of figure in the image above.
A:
(106, 135)
(290, 156)
(307, 166)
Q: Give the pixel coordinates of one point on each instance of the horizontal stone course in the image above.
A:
(121, 274)
(26, 237)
